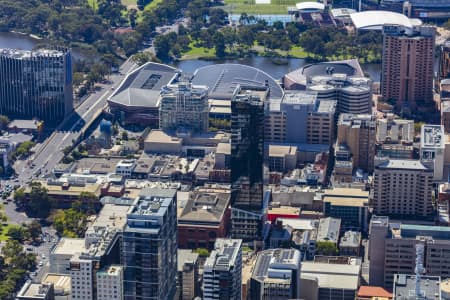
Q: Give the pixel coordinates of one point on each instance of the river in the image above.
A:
(25, 42)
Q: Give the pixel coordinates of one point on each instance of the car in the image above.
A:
(41, 263)
(29, 248)
(33, 273)
(43, 256)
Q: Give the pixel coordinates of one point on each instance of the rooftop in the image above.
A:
(223, 79)
(281, 151)
(432, 136)
(185, 256)
(142, 86)
(405, 287)
(60, 282)
(373, 291)
(26, 54)
(25, 124)
(375, 19)
(223, 148)
(159, 136)
(34, 290)
(346, 193)
(205, 208)
(329, 230)
(113, 270)
(402, 164)
(277, 265)
(332, 276)
(69, 246)
(224, 255)
(350, 239)
(346, 201)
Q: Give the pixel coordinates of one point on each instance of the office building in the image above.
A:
(432, 148)
(276, 275)
(222, 272)
(407, 68)
(445, 115)
(444, 67)
(392, 129)
(247, 142)
(357, 133)
(329, 278)
(300, 118)
(188, 277)
(351, 205)
(403, 188)
(36, 84)
(392, 250)
(110, 283)
(328, 230)
(149, 246)
(184, 106)
(350, 243)
(62, 253)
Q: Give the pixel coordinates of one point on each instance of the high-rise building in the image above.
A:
(184, 106)
(444, 68)
(36, 84)
(188, 277)
(407, 68)
(149, 246)
(276, 275)
(222, 273)
(402, 187)
(247, 142)
(300, 118)
(432, 148)
(392, 250)
(357, 133)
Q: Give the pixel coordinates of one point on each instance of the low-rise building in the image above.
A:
(408, 286)
(373, 292)
(328, 230)
(204, 218)
(62, 253)
(36, 291)
(330, 280)
(126, 167)
(350, 243)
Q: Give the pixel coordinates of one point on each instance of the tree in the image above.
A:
(89, 202)
(18, 233)
(19, 196)
(202, 252)
(70, 223)
(219, 44)
(35, 230)
(38, 203)
(326, 248)
(124, 135)
(4, 121)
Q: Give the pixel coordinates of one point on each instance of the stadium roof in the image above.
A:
(142, 86)
(375, 19)
(310, 6)
(222, 80)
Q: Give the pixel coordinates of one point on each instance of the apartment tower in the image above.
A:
(407, 68)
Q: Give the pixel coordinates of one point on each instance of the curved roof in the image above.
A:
(142, 86)
(222, 79)
(375, 19)
(310, 6)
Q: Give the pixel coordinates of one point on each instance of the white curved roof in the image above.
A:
(375, 19)
(310, 6)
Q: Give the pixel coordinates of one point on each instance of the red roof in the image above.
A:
(373, 291)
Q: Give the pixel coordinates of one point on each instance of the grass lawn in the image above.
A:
(128, 2)
(93, 4)
(198, 52)
(276, 7)
(5, 228)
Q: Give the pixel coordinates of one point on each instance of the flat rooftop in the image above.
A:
(281, 151)
(26, 54)
(34, 291)
(276, 265)
(346, 201)
(185, 256)
(405, 286)
(432, 136)
(346, 193)
(403, 164)
(69, 246)
(224, 254)
(204, 208)
(60, 282)
(332, 276)
(329, 229)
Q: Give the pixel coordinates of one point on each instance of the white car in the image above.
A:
(41, 264)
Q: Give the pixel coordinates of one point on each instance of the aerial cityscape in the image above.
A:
(225, 149)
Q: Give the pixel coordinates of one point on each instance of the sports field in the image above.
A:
(276, 7)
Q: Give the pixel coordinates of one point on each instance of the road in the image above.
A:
(51, 150)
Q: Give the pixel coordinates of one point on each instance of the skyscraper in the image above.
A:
(36, 84)
(247, 141)
(149, 246)
(407, 68)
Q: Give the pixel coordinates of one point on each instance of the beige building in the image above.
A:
(407, 69)
(392, 250)
(445, 115)
(188, 279)
(357, 132)
(402, 187)
(282, 158)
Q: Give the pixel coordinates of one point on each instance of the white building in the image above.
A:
(81, 278)
(432, 148)
(60, 255)
(110, 283)
(225, 261)
(125, 167)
